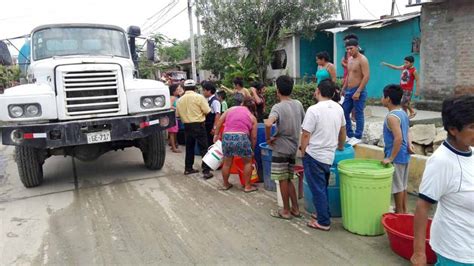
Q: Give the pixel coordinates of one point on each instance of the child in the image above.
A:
(288, 115)
(395, 135)
(324, 130)
(221, 96)
(407, 80)
(449, 181)
(173, 131)
(209, 91)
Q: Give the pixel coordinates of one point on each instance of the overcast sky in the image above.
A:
(20, 17)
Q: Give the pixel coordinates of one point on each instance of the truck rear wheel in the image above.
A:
(30, 166)
(153, 150)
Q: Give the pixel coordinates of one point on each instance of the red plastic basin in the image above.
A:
(399, 228)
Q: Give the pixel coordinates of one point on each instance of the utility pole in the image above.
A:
(199, 43)
(392, 11)
(191, 36)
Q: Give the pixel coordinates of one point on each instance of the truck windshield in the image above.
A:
(79, 41)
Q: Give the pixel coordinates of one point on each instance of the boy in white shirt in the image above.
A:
(449, 181)
(323, 131)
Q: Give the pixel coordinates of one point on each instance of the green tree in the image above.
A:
(259, 25)
(216, 57)
(175, 51)
(9, 75)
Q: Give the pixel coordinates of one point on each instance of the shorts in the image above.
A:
(283, 166)
(235, 144)
(174, 129)
(400, 178)
(406, 98)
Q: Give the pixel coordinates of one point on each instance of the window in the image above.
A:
(279, 59)
(66, 41)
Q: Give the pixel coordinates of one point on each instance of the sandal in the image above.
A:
(253, 189)
(222, 188)
(299, 215)
(277, 214)
(315, 225)
(314, 216)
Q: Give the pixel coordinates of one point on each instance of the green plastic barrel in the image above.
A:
(365, 195)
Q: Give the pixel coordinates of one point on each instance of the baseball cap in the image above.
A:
(189, 83)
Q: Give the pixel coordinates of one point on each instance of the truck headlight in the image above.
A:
(147, 102)
(24, 110)
(32, 110)
(160, 101)
(15, 111)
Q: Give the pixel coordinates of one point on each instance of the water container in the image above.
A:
(261, 138)
(347, 153)
(214, 156)
(266, 153)
(365, 195)
(334, 199)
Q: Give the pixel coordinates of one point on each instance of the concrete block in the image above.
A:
(416, 167)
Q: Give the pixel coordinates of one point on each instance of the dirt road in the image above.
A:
(114, 211)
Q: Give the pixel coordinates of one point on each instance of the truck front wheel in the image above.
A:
(153, 150)
(30, 165)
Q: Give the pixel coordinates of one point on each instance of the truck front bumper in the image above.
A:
(72, 133)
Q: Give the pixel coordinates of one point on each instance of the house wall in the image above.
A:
(292, 53)
(446, 50)
(323, 41)
(390, 44)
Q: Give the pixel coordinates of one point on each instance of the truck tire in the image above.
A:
(154, 150)
(30, 166)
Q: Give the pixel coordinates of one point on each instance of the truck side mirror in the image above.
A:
(5, 57)
(133, 31)
(150, 50)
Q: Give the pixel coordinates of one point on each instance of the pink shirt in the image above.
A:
(238, 120)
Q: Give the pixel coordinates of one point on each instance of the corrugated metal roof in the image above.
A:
(384, 22)
(375, 24)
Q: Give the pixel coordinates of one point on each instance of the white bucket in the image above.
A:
(279, 199)
(214, 156)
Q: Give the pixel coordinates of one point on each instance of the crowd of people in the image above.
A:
(325, 127)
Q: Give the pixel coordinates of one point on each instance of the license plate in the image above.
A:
(97, 137)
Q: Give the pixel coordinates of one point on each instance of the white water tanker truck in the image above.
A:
(83, 98)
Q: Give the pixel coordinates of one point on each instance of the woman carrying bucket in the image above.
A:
(238, 139)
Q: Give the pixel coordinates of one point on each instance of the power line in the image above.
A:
(159, 14)
(166, 22)
(396, 5)
(367, 10)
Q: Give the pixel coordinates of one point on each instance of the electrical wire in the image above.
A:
(166, 22)
(396, 5)
(159, 15)
(367, 9)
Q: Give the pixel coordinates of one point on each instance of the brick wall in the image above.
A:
(447, 56)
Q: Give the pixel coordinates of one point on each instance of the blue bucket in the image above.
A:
(266, 153)
(261, 138)
(334, 198)
(347, 153)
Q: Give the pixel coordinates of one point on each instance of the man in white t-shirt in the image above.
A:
(323, 132)
(449, 181)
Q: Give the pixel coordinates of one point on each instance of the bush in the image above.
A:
(304, 93)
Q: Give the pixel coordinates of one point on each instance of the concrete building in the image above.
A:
(447, 59)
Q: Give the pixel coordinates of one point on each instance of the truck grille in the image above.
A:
(91, 92)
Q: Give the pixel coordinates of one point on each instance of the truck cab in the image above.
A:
(83, 98)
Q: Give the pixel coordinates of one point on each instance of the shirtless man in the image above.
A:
(354, 90)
